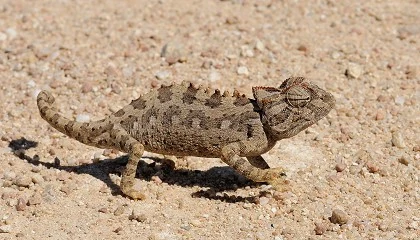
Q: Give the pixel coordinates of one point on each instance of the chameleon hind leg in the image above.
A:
(135, 150)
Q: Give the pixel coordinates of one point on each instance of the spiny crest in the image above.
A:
(209, 91)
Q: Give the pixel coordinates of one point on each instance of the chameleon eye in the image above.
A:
(298, 96)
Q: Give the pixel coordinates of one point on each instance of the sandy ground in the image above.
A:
(354, 175)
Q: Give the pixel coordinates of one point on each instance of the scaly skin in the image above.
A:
(183, 120)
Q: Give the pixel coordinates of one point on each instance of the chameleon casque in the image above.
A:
(184, 120)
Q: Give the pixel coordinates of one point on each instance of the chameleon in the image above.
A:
(186, 120)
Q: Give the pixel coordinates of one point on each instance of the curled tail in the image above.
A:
(87, 133)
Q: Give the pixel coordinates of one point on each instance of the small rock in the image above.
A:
(353, 70)
(246, 51)
(116, 88)
(414, 225)
(380, 115)
(97, 156)
(372, 167)
(399, 100)
(339, 217)
(87, 87)
(196, 223)
(103, 210)
(127, 72)
(36, 199)
(397, 140)
(232, 20)
(23, 181)
(82, 118)
(247, 205)
(119, 211)
(111, 71)
(339, 167)
(21, 204)
(140, 217)
(214, 76)
(5, 229)
(37, 179)
(3, 37)
(259, 45)
(11, 32)
(335, 55)
(174, 52)
(242, 70)
(404, 160)
(411, 72)
(302, 48)
(263, 201)
(9, 175)
(409, 30)
(320, 228)
(162, 75)
(118, 230)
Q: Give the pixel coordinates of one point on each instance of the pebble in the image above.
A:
(3, 37)
(97, 156)
(162, 74)
(21, 204)
(263, 201)
(118, 230)
(174, 52)
(259, 45)
(23, 181)
(214, 76)
(247, 52)
(196, 223)
(9, 175)
(37, 179)
(339, 167)
(380, 115)
(111, 71)
(409, 30)
(339, 217)
(119, 211)
(87, 87)
(353, 70)
(36, 199)
(242, 70)
(11, 32)
(372, 167)
(320, 228)
(135, 215)
(397, 140)
(247, 205)
(399, 100)
(335, 55)
(103, 210)
(5, 229)
(404, 160)
(82, 118)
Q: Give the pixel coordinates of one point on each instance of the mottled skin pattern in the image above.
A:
(184, 120)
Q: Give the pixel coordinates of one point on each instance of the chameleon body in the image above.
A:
(184, 120)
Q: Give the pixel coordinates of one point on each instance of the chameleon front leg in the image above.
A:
(230, 155)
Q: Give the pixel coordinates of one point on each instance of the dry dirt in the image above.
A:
(354, 175)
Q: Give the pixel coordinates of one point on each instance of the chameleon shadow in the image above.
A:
(217, 180)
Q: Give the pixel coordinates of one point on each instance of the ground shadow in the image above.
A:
(217, 180)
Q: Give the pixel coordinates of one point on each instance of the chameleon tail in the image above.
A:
(82, 132)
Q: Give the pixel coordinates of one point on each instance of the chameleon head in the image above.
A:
(291, 108)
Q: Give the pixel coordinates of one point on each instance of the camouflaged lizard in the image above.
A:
(184, 120)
